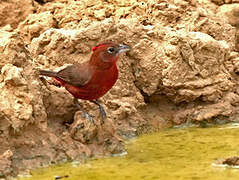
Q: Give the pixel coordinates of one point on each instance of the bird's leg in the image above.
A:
(86, 115)
(102, 110)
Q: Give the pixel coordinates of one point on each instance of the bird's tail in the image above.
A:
(48, 73)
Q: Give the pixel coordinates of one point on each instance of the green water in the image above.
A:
(172, 154)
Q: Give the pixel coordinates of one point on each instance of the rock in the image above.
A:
(192, 59)
(14, 11)
(34, 25)
(236, 65)
(43, 1)
(18, 104)
(100, 14)
(230, 12)
(82, 129)
(12, 75)
(217, 28)
(12, 49)
(5, 163)
(218, 2)
(232, 161)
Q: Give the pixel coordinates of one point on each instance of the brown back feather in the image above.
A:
(76, 74)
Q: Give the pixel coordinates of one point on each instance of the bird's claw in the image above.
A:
(102, 111)
(103, 114)
(85, 114)
(89, 117)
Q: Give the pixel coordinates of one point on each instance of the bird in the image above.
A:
(91, 79)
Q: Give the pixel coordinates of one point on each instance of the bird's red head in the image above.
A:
(106, 54)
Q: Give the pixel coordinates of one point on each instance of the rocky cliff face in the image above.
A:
(183, 67)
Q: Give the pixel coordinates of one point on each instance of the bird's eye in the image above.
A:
(110, 50)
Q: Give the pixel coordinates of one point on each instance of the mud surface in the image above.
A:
(183, 67)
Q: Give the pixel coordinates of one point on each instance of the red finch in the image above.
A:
(92, 79)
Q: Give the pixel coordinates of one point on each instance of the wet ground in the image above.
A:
(172, 154)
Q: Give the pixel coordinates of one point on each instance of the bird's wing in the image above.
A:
(77, 75)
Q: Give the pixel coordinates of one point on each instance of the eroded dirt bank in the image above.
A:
(183, 66)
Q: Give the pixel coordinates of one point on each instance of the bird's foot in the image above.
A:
(103, 114)
(85, 114)
(102, 111)
(89, 117)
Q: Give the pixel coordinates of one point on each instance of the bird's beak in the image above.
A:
(123, 48)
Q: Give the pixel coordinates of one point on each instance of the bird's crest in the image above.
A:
(100, 45)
